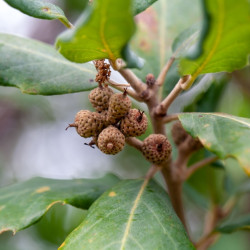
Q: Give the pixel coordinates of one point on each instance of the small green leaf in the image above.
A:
(242, 223)
(134, 214)
(141, 5)
(40, 9)
(225, 135)
(226, 45)
(23, 204)
(37, 68)
(102, 31)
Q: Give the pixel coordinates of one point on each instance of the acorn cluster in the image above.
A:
(112, 121)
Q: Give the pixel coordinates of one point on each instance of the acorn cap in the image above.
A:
(156, 148)
(111, 140)
(99, 98)
(119, 106)
(88, 123)
(135, 123)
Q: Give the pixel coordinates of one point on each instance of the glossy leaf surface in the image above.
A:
(23, 204)
(226, 45)
(37, 68)
(225, 135)
(134, 214)
(103, 31)
(40, 9)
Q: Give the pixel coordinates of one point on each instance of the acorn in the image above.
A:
(156, 148)
(99, 98)
(119, 106)
(111, 140)
(135, 123)
(88, 123)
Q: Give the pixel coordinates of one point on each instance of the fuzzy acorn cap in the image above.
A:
(156, 148)
(99, 98)
(119, 106)
(135, 123)
(111, 141)
(88, 123)
(178, 133)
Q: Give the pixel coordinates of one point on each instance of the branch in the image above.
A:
(209, 236)
(121, 87)
(163, 73)
(152, 171)
(134, 142)
(172, 173)
(133, 80)
(162, 108)
(193, 168)
(170, 118)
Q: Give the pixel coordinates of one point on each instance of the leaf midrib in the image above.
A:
(221, 16)
(132, 213)
(103, 20)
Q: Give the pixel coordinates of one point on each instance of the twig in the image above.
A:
(152, 171)
(120, 87)
(114, 84)
(162, 108)
(193, 168)
(163, 73)
(170, 118)
(134, 142)
(209, 236)
(133, 80)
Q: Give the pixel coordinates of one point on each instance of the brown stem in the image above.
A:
(163, 73)
(120, 87)
(170, 118)
(133, 80)
(152, 171)
(134, 142)
(162, 108)
(209, 236)
(193, 168)
(174, 191)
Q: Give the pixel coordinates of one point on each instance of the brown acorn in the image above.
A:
(135, 123)
(99, 98)
(88, 123)
(156, 148)
(111, 140)
(119, 106)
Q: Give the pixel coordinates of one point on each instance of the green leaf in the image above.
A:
(242, 223)
(141, 5)
(37, 68)
(102, 31)
(134, 214)
(23, 204)
(226, 45)
(157, 27)
(225, 135)
(40, 9)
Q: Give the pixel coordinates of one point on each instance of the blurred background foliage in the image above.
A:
(33, 140)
